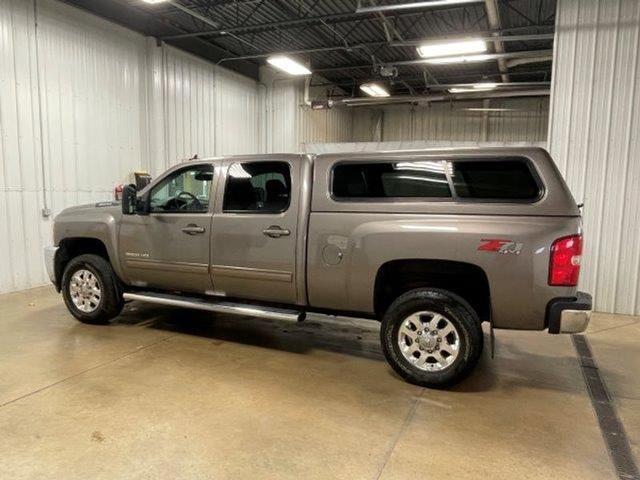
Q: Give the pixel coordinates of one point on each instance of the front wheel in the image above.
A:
(431, 337)
(90, 289)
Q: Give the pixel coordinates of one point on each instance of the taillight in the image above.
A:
(564, 265)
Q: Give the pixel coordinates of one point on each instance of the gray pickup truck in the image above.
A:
(431, 243)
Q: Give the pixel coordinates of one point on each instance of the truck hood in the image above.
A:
(110, 207)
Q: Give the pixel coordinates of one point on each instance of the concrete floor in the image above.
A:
(170, 393)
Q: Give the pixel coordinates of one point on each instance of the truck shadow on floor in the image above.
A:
(513, 367)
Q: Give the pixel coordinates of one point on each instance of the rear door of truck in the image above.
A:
(254, 239)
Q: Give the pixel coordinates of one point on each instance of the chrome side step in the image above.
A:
(217, 306)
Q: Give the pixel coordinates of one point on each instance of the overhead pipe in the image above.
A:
(493, 16)
(488, 56)
(304, 50)
(414, 5)
(525, 61)
(440, 97)
(482, 36)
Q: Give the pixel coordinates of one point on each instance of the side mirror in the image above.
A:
(129, 199)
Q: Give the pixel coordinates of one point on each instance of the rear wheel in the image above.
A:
(431, 337)
(90, 289)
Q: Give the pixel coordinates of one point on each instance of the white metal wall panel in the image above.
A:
(290, 124)
(238, 114)
(112, 102)
(281, 111)
(408, 145)
(593, 135)
(89, 73)
(189, 102)
(450, 122)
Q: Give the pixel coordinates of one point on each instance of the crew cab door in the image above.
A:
(169, 247)
(254, 231)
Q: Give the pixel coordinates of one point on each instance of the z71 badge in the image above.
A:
(500, 246)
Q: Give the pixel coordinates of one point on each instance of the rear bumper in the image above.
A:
(569, 315)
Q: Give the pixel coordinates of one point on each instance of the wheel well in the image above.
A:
(465, 279)
(72, 247)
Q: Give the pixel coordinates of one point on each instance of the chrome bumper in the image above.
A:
(574, 321)
(569, 315)
(49, 262)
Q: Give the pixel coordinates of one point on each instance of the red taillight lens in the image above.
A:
(564, 266)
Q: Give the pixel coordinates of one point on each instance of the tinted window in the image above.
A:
(184, 191)
(390, 180)
(262, 187)
(508, 179)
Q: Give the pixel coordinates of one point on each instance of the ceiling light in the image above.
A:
(288, 65)
(491, 109)
(411, 5)
(478, 87)
(459, 59)
(154, 1)
(374, 90)
(444, 49)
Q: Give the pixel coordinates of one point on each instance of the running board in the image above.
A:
(212, 305)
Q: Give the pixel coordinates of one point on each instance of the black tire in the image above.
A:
(457, 311)
(111, 301)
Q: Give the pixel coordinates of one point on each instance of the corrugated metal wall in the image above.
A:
(290, 124)
(442, 121)
(594, 137)
(89, 102)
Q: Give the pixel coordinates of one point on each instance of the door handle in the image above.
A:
(192, 229)
(274, 231)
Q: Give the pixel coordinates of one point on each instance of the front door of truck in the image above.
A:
(255, 229)
(169, 247)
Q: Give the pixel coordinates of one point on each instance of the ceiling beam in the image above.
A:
(423, 61)
(478, 36)
(293, 23)
(305, 50)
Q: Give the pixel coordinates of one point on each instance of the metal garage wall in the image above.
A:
(445, 122)
(110, 102)
(593, 136)
(290, 124)
(409, 145)
(82, 135)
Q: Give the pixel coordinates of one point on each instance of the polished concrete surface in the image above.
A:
(171, 393)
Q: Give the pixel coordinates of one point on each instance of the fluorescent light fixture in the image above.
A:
(374, 90)
(154, 1)
(459, 59)
(445, 49)
(491, 109)
(412, 5)
(478, 87)
(288, 65)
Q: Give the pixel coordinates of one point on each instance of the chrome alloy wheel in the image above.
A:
(84, 290)
(429, 341)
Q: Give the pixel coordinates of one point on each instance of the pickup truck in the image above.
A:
(431, 243)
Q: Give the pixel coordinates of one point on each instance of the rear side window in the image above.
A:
(390, 180)
(257, 187)
(495, 180)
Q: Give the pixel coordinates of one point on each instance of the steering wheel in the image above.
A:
(194, 200)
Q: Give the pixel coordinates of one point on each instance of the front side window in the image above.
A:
(184, 191)
(390, 180)
(257, 187)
